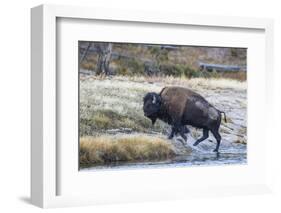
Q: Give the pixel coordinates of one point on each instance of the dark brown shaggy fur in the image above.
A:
(180, 106)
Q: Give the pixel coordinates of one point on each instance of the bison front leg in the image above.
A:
(178, 127)
(181, 130)
(182, 133)
(172, 133)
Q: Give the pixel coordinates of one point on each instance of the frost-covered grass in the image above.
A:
(107, 104)
(105, 119)
(106, 149)
(193, 83)
(112, 104)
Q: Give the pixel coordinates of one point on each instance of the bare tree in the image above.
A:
(85, 53)
(104, 52)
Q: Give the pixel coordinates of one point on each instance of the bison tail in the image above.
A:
(224, 116)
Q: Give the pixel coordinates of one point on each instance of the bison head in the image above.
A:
(151, 106)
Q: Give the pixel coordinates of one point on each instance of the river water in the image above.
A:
(201, 155)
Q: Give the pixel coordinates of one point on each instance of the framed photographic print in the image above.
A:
(129, 106)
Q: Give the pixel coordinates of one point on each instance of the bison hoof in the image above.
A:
(195, 144)
(170, 137)
(215, 150)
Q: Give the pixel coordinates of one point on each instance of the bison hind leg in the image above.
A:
(218, 138)
(205, 136)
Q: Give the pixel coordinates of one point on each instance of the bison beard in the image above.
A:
(178, 107)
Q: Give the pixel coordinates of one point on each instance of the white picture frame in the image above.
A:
(44, 148)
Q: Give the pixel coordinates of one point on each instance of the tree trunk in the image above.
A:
(105, 50)
(85, 52)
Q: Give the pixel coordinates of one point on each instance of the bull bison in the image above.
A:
(180, 106)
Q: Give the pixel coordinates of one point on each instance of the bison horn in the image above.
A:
(154, 99)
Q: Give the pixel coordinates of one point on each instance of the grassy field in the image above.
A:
(112, 120)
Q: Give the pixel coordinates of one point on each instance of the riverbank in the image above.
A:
(112, 107)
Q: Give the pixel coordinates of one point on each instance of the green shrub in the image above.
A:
(178, 71)
(129, 67)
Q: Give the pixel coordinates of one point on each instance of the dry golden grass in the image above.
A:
(240, 76)
(88, 66)
(106, 149)
(193, 83)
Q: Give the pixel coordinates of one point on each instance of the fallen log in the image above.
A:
(220, 67)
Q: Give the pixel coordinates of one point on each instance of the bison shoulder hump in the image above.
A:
(174, 99)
